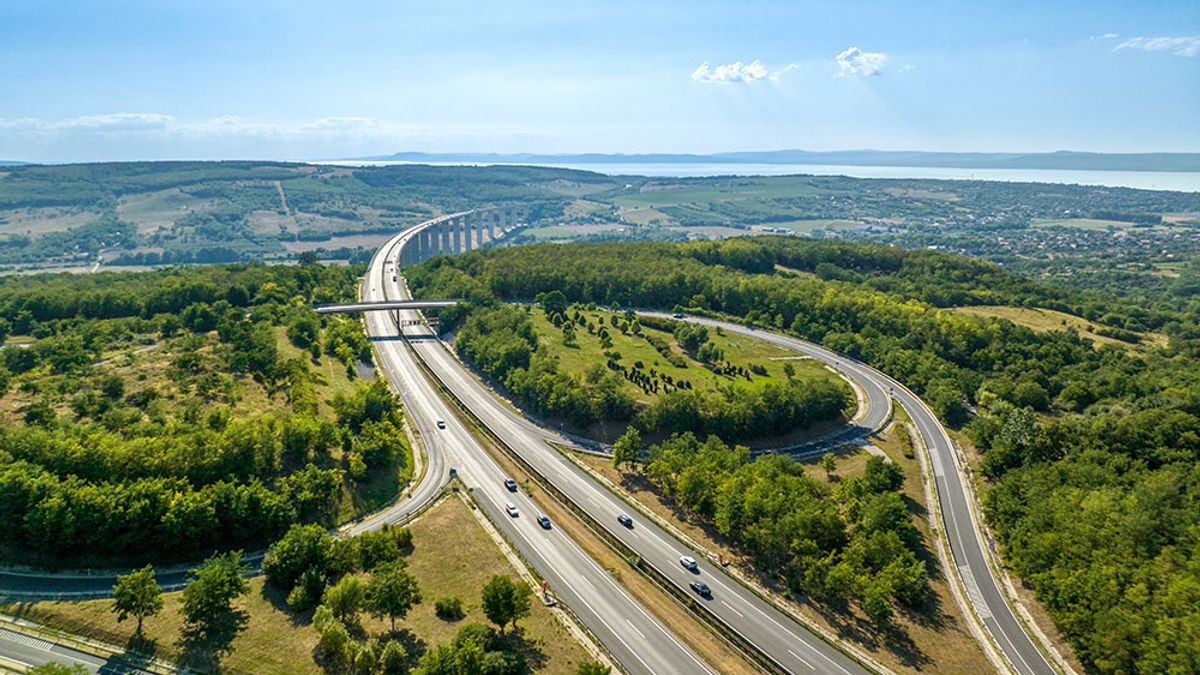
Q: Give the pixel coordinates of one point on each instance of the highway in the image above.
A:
(791, 646)
(638, 641)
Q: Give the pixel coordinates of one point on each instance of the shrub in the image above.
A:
(449, 608)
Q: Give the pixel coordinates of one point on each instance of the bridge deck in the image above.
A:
(350, 307)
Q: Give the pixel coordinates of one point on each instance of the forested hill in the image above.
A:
(1093, 454)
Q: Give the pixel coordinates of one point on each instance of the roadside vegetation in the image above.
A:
(1090, 454)
(364, 604)
(162, 416)
(600, 370)
(931, 636)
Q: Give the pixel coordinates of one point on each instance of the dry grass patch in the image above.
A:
(1043, 320)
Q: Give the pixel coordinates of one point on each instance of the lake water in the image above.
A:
(1146, 180)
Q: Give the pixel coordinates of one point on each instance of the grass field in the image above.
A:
(1049, 319)
(451, 555)
(739, 350)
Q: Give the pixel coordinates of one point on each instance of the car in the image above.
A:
(510, 484)
(701, 589)
(689, 563)
(544, 521)
(393, 277)
(441, 424)
(512, 509)
(676, 316)
(625, 520)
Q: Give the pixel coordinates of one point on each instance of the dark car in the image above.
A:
(701, 589)
(510, 484)
(625, 520)
(544, 521)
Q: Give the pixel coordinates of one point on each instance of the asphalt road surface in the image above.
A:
(33, 651)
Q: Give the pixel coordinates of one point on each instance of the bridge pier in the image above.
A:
(456, 235)
(426, 244)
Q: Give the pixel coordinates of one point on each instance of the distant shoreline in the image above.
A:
(1060, 161)
(1175, 181)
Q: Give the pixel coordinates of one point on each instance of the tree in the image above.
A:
(505, 601)
(627, 447)
(828, 464)
(304, 547)
(345, 597)
(214, 585)
(393, 659)
(552, 303)
(112, 386)
(392, 591)
(137, 594)
(592, 668)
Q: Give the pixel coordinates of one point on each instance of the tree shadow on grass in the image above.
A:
(278, 599)
(874, 636)
(516, 642)
(142, 646)
(412, 643)
(203, 645)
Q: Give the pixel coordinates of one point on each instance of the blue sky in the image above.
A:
(305, 80)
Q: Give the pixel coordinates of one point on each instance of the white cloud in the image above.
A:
(731, 72)
(1187, 46)
(855, 61)
(737, 71)
(1110, 36)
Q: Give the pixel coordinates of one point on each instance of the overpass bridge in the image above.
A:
(353, 307)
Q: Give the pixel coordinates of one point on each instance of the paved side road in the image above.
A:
(24, 650)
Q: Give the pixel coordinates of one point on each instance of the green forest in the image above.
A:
(853, 542)
(1090, 452)
(185, 411)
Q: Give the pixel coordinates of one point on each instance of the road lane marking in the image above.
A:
(733, 610)
(635, 629)
(801, 659)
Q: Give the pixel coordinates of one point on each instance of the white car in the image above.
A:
(511, 509)
(689, 563)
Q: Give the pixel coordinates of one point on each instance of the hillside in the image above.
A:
(185, 411)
